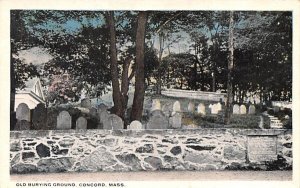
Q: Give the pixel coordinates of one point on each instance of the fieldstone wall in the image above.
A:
(136, 150)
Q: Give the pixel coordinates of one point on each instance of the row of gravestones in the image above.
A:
(243, 110)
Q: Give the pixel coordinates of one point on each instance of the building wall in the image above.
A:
(139, 150)
(27, 99)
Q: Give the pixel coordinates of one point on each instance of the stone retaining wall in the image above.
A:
(201, 95)
(136, 150)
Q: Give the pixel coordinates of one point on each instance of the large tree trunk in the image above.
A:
(117, 97)
(138, 101)
(229, 76)
(161, 49)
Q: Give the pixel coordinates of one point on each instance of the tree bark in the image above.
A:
(138, 101)
(117, 97)
(230, 68)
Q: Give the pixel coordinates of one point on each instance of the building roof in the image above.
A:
(33, 86)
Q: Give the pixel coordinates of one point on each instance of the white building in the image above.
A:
(31, 95)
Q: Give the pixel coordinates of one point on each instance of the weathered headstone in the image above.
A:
(236, 109)
(201, 109)
(167, 109)
(214, 109)
(191, 106)
(113, 122)
(243, 109)
(219, 106)
(176, 107)
(22, 125)
(157, 121)
(39, 117)
(251, 109)
(81, 123)
(135, 125)
(86, 103)
(64, 120)
(102, 107)
(23, 112)
(175, 120)
(155, 105)
(103, 116)
(93, 111)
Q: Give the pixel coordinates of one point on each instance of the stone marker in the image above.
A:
(22, 125)
(167, 109)
(201, 109)
(81, 123)
(236, 109)
(64, 121)
(243, 109)
(135, 125)
(157, 121)
(102, 107)
(262, 148)
(191, 106)
(39, 117)
(251, 109)
(113, 122)
(155, 105)
(214, 109)
(219, 106)
(175, 120)
(103, 116)
(23, 112)
(176, 107)
(86, 103)
(93, 111)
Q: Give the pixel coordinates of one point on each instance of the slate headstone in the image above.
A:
(86, 103)
(23, 112)
(113, 122)
(201, 109)
(39, 117)
(243, 109)
(93, 111)
(135, 125)
(156, 105)
(236, 109)
(251, 109)
(64, 121)
(191, 106)
(157, 121)
(176, 107)
(103, 116)
(81, 123)
(175, 120)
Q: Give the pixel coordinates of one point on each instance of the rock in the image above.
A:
(147, 148)
(234, 153)
(131, 160)
(155, 162)
(55, 165)
(176, 150)
(288, 145)
(98, 160)
(202, 158)
(200, 148)
(15, 146)
(27, 155)
(23, 168)
(107, 142)
(42, 150)
(66, 143)
(15, 160)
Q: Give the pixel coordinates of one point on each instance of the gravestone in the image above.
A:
(175, 120)
(23, 112)
(103, 116)
(113, 122)
(262, 148)
(243, 109)
(219, 106)
(86, 103)
(214, 109)
(102, 107)
(64, 121)
(157, 121)
(167, 109)
(135, 125)
(201, 109)
(176, 107)
(93, 111)
(251, 109)
(155, 105)
(39, 117)
(81, 123)
(191, 107)
(236, 109)
(22, 125)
